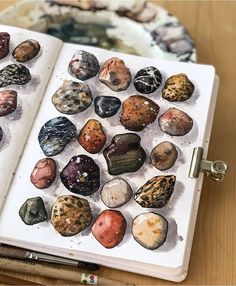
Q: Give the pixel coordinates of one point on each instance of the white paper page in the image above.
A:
(177, 211)
(16, 126)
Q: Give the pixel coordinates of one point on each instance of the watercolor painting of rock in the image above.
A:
(113, 25)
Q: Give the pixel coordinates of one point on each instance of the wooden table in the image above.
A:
(212, 25)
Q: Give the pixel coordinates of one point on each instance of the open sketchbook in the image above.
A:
(111, 191)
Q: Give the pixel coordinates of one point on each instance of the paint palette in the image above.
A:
(112, 25)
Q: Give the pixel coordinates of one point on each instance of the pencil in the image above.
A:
(60, 273)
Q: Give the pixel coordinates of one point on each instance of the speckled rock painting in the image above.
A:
(70, 215)
(156, 192)
(81, 175)
(72, 97)
(178, 88)
(92, 136)
(14, 74)
(137, 112)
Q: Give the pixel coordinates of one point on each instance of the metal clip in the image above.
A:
(216, 170)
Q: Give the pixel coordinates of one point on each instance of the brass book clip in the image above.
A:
(215, 169)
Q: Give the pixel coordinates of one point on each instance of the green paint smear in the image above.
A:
(69, 30)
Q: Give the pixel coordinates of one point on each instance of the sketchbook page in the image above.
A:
(16, 126)
(177, 211)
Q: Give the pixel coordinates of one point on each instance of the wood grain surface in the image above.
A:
(212, 25)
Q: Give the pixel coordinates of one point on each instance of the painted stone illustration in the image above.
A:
(72, 97)
(124, 154)
(55, 134)
(44, 173)
(14, 74)
(147, 80)
(109, 228)
(115, 74)
(116, 192)
(70, 215)
(81, 175)
(8, 102)
(178, 88)
(137, 112)
(175, 122)
(164, 155)
(33, 211)
(26, 51)
(92, 136)
(156, 192)
(4, 44)
(150, 230)
(106, 106)
(83, 65)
